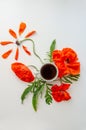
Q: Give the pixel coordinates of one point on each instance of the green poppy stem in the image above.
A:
(33, 67)
(33, 49)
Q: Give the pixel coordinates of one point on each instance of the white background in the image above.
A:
(63, 20)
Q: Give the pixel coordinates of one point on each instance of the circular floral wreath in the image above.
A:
(65, 61)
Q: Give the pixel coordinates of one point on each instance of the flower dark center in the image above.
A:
(67, 60)
(17, 43)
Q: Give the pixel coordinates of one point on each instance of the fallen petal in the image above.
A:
(22, 28)
(6, 43)
(6, 54)
(17, 54)
(13, 33)
(25, 49)
(30, 34)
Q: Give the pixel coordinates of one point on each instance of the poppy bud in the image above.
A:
(22, 72)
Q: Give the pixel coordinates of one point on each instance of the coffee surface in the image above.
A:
(48, 71)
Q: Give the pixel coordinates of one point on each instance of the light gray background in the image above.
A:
(63, 20)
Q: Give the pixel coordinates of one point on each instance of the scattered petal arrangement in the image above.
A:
(55, 76)
(22, 27)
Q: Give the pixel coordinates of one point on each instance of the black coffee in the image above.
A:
(48, 71)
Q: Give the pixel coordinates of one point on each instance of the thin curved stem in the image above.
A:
(34, 67)
(27, 39)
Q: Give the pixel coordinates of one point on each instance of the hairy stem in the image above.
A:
(33, 67)
(27, 39)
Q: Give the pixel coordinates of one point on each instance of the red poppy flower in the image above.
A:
(66, 61)
(22, 27)
(59, 93)
(22, 72)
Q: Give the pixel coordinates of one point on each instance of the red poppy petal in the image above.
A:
(25, 49)
(65, 86)
(6, 43)
(74, 68)
(59, 94)
(6, 54)
(56, 55)
(66, 96)
(22, 28)
(17, 54)
(13, 33)
(22, 72)
(69, 53)
(57, 97)
(30, 34)
(54, 88)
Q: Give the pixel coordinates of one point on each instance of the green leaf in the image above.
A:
(35, 101)
(72, 78)
(26, 91)
(77, 75)
(36, 95)
(48, 97)
(65, 79)
(52, 47)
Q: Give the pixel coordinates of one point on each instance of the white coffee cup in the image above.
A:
(49, 72)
